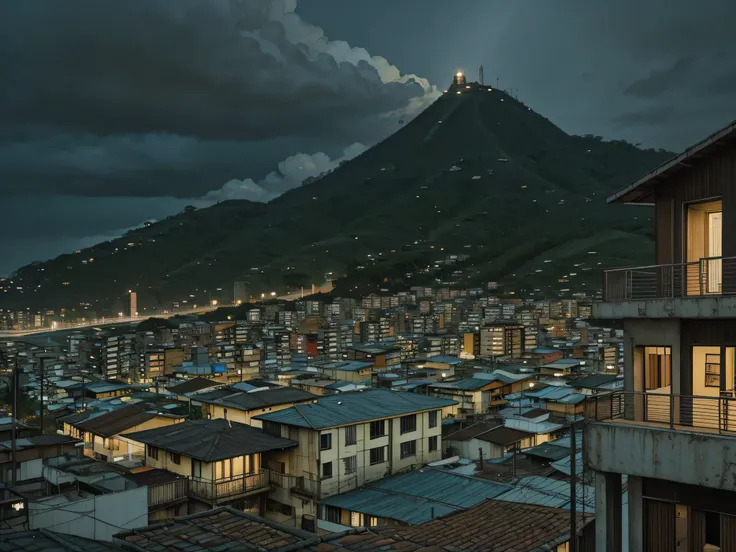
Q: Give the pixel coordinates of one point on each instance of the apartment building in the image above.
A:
(502, 339)
(671, 430)
(350, 439)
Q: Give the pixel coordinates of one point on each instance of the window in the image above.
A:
(351, 464)
(408, 423)
(175, 458)
(224, 413)
(196, 468)
(433, 418)
(153, 452)
(330, 513)
(713, 370)
(657, 363)
(325, 441)
(272, 428)
(326, 470)
(433, 443)
(351, 435)
(378, 455)
(408, 448)
(378, 429)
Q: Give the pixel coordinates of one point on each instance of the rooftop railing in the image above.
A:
(704, 413)
(712, 276)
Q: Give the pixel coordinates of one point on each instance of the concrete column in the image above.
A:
(607, 512)
(636, 515)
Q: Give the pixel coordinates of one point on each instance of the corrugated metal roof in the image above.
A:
(555, 493)
(445, 359)
(354, 407)
(564, 464)
(343, 366)
(419, 496)
(250, 400)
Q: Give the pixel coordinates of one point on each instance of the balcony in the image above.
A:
(683, 438)
(163, 495)
(706, 287)
(224, 490)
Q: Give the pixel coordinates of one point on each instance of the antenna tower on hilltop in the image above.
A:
(480, 75)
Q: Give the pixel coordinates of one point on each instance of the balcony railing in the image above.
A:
(226, 489)
(168, 492)
(709, 414)
(712, 276)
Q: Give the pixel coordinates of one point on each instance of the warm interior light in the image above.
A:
(459, 74)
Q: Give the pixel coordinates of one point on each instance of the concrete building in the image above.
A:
(350, 439)
(671, 431)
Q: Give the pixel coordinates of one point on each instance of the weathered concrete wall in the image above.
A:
(690, 307)
(680, 456)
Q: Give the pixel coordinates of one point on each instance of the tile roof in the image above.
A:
(221, 529)
(43, 540)
(492, 526)
(211, 440)
(418, 496)
(354, 407)
(253, 400)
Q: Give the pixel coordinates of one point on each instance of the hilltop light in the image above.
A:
(459, 74)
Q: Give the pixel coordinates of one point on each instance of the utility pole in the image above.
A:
(573, 494)
(42, 359)
(480, 453)
(14, 418)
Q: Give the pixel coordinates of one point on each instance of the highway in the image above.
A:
(325, 288)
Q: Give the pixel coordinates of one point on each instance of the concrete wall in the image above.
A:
(93, 517)
(704, 459)
(243, 416)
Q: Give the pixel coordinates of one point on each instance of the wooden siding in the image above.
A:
(710, 177)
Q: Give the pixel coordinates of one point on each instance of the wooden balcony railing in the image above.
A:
(225, 489)
(168, 492)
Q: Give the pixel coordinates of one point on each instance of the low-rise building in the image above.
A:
(222, 459)
(350, 439)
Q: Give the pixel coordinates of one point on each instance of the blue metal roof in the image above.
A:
(544, 491)
(445, 359)
(354, 407)
(419, 496)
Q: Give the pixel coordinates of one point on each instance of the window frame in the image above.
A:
(322, 473)
(413, 452)
(322, 436)
(433, 418)
(383, 429)
(383, 456)
(434, 439)
(351, 435)
(411, 422)
(351, 462)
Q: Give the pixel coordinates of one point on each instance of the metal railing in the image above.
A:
(170, 491)
(708, 276)
(712, 414)
(222, 489)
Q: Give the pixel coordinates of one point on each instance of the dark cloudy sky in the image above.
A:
(112, 113)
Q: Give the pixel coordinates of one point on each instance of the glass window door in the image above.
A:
(715, 249)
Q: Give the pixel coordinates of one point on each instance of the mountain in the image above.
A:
(478, 173)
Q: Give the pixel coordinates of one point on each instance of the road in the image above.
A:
(325, 288)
